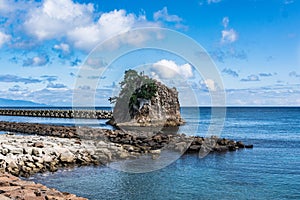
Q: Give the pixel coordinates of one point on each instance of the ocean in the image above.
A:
(271, 170)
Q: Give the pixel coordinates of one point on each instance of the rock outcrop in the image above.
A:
(145, 102)
(12, 187)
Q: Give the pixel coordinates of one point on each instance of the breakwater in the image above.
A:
(85, 114)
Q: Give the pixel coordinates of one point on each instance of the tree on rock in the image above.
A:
(143, 101)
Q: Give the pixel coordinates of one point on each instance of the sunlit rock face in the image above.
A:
(145, 102)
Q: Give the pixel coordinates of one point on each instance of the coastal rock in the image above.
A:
(38, 144)
(12, 187)
(66, 156)
(145, 102)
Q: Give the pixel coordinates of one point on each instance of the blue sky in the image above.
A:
(255, 45)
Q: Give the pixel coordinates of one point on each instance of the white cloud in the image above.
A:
(210, 84)
(167, 69)
(229, 36)
(62, 47)
(109, 24)
(76, 22)
(4, 38)
(207, 84)
(54, 18)
(165, 16)
(40, 60)
(225, 22)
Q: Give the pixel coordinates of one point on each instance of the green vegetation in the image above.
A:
(134, 87)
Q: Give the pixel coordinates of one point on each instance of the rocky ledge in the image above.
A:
(12, 187)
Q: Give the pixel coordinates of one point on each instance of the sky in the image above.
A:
(254, 45)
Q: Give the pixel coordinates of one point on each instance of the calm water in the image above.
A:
(269, 171)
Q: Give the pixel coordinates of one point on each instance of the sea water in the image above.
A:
(271, 170)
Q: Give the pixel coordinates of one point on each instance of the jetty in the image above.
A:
(84, 114)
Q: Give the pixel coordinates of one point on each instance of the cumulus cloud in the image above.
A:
(109, 24)
(53, 18)
(17, 79)
(167, 69)
(230, 72)
(4, 38)
(249, 78)
(77, 23)
(63, 49)
(229, 36)
(36, 61)
(165, 16)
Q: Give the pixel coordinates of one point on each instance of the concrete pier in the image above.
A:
(85, 114)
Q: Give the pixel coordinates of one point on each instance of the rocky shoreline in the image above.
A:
(49, 147)
(13, 188)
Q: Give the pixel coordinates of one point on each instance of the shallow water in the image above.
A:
(269, 171)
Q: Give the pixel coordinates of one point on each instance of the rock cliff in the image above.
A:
(145, 102)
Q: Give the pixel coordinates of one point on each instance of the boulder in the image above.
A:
(249, 146)
(38, 144)
(67, 156)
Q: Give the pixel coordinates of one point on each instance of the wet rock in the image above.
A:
(195, 148)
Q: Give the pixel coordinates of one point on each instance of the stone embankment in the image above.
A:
(86, 114)
(27, 155)
(13, 188)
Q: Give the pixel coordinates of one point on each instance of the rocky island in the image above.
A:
(145, 102)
